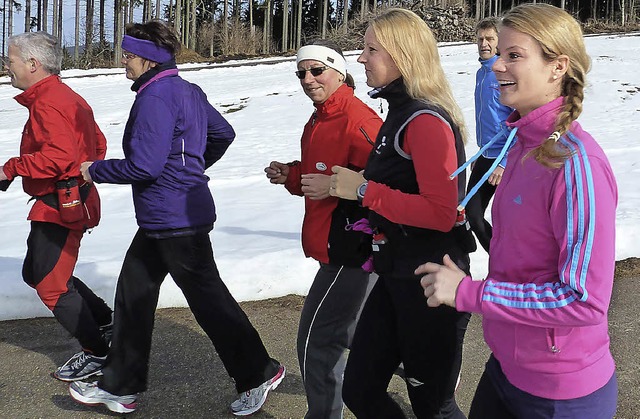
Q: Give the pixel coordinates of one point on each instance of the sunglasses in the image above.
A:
(315, 72)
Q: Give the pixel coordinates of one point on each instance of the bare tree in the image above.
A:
(345, 16)
(299, 26)
(101, 29)
(285, 25)
(76, 38)
(118, 29)
(323, 20)
(88, 39)
(27, 15)
(8, 15)
(192, 32)
(266, 30)
(54, 22)
(45, 14)
(60, 33)
(225, 25)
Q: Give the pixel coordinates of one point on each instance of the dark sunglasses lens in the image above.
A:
(315, 72)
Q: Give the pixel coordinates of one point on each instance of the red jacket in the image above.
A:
(340, 132)
(60, 134)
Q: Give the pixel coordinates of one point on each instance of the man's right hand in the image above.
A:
(277, 172)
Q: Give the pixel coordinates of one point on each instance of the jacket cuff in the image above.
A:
(469, 295)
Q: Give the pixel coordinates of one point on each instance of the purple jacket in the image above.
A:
(172, 135)
(545, 300)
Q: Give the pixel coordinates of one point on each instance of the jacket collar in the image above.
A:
(335, 101)
(395, 93)
(29, 96)
(538, 124)
(155, 73)
(489, 62)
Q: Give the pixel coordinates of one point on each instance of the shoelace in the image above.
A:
(78, 362)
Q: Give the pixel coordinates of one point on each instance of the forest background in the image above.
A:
(219, 30)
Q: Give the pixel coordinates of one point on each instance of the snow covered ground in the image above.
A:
(257, 236)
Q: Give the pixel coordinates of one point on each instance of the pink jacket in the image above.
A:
(544, 303)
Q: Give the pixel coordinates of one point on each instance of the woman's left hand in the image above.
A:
(440, 282)
(345, 182)
(496, 176)
(84, 171)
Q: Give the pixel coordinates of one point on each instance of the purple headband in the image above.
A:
(146, 49)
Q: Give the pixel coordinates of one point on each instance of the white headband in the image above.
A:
(325, 55)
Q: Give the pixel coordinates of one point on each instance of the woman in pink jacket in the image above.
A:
(544, 302)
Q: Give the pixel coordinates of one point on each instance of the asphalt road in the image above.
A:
(187, 379)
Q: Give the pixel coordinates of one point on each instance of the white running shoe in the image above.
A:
(90, 394)
(251, 401)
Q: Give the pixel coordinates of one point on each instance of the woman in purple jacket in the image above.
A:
(173, 134)
(544, 302)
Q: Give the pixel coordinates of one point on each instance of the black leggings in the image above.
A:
(395, 326)
(478, 204)
(189, 261)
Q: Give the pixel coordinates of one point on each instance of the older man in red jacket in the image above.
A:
(60, 134)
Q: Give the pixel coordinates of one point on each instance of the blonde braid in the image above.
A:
(551, 153)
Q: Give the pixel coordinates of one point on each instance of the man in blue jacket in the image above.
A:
(490, 116)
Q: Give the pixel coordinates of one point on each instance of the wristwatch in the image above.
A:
(362, 189)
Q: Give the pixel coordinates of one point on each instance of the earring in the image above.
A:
(555, 76)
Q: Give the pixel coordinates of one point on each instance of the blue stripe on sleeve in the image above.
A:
(592, 215)
(574, 251)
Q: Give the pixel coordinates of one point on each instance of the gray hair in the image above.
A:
(41, 46)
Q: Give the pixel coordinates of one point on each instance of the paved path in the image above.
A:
(187, 379)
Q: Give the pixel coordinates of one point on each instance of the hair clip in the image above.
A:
(555, 136)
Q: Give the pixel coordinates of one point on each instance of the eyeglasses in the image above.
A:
(128, 56)
(315, 72)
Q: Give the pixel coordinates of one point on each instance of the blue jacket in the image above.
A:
(172, 135)
(490, 113)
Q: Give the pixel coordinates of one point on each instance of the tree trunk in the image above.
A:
(8, 12)
(345, 16)
(88, 39)
(60, 20)
(299, 25)
(213, 32)
(27, 15)
(130, 13)
(192, 35)
(285, 25)
(101, 28)
(118, 29)
(76, 42)
(54, 21)
(225, 26)
(176, 19)
(39, 15)
(266, 31)
(323, 21)
(45, 15)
